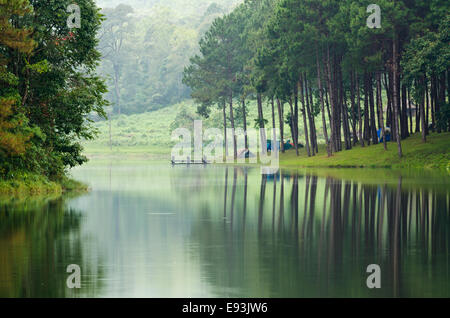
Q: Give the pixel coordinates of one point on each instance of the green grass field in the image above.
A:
(149, 134)
(416, 154)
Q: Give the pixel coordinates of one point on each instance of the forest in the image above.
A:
(48, 87)
(314, 69)
(145, 46)
(319, 64)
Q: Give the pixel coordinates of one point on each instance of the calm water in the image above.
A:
(157, 231)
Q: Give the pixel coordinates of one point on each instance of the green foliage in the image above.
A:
(48, 87)
(146, 46)
(443, 118)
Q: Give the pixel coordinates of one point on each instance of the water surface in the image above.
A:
(152, 230)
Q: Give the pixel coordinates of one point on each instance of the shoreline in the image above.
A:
(432, 155)
(36, 185)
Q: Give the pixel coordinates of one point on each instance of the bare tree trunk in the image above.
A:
(358, 99)
(411, 128)
(244, 114)
(373, 127)
(305, 124)
(352, 97)
(281, 120)
(366, 110)
(347, 137)
(332, 142)
(233, 131)
(274, 127)
(294, 133)
(434, 100)
(404, 124)
(324, 123)
(380, 109)
(262, 127)
(308, 111)
(389, 102)
(225, 127)
(312, 119)
(395, 93)
(422, 114)
(296, 112)
(328, 105)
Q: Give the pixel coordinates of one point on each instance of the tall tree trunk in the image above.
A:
(225, 127)
(389, 101)
(296, 112)
(395, 93)
(432, 101)
(405, 132)
(262, 128)
(322, 106)
(347, 137)
(332, 141)
(352, 100)
(312, 119)
(293, 132)
(244, 115)
(308, 111)
(417, 119)
(380, 110)
(274, 127)
(411, 128)
(367, 133)
(305, 124)
(233, 131)
(441, 97)
(373, 127)
(328, 106)
(338, 102)
(358, 104)
(422, 113)
(281, 120)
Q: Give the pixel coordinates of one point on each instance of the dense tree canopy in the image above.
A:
(365, 83)
(48, 86)
(145, 46)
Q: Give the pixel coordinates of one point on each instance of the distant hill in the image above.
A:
(188, 6)
(157, 38)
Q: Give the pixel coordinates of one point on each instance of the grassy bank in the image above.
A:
(32, 184)
(434, 154)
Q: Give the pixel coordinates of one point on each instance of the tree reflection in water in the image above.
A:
(334, 230)
(39, 238)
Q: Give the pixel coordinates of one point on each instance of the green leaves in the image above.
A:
(51, 86)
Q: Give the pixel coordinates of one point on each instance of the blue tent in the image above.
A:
(388, 135)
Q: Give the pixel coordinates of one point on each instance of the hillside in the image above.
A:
(151, 132)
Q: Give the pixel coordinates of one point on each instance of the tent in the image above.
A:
(388, 135)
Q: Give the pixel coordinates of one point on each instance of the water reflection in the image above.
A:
(161, 231)
(334, 230)
(39, 238)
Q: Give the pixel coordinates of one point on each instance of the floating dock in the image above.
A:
(188, 161)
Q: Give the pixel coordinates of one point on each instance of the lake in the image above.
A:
(152, 230)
